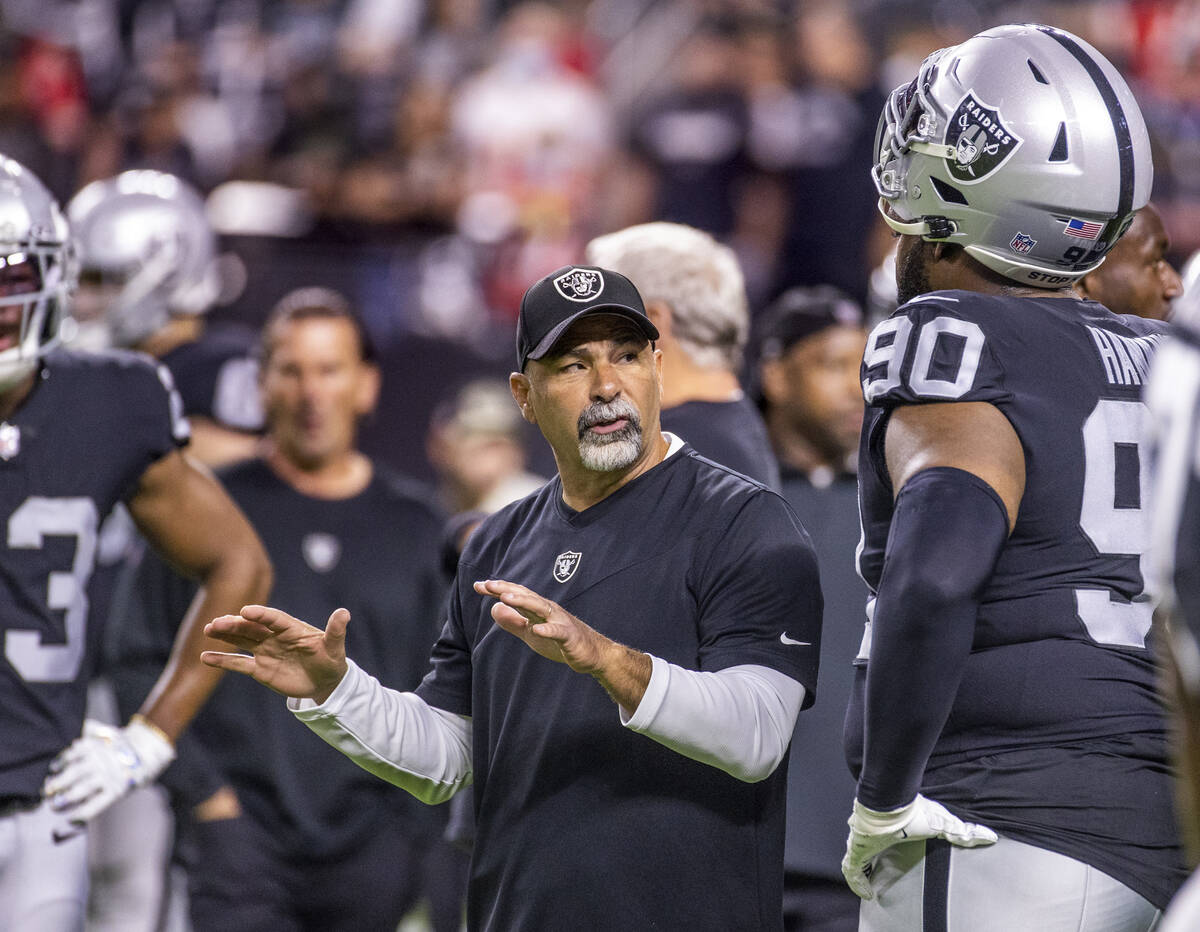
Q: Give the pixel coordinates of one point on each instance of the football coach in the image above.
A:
(624, 655)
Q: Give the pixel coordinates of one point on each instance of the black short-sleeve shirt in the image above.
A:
(580, 822)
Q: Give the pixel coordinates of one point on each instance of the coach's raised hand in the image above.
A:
(290, 656)
(550, 630)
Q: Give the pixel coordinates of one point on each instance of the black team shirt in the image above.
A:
(377, 554)
(581, 823)
(731, 433)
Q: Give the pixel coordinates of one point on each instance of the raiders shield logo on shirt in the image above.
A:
(579, 284)
(321, 551)
(565, 565)
(10, 441)
(981, 141)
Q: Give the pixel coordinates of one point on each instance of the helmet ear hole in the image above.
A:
(1059, 152)
(948, 193)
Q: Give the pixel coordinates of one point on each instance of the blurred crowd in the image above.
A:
(431, 158)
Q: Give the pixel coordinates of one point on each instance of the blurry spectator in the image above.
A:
(694, 293)
(693, 135)
(764, 64)
(1136, 276)
(536, 137)
(832, 123)
(280, 831)
(417, 178)
(812, 342)
(44, 111)
(476, 444)
(317, 135)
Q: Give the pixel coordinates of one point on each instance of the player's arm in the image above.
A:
(216, 445)
(958, 474)
(189, 519)
(395, 735)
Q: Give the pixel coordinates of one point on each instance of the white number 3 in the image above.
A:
(36, 519)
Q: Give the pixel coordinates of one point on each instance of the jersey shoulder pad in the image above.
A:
(942, 346)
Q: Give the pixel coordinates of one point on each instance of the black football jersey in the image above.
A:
(1057, 735)
(77, 445)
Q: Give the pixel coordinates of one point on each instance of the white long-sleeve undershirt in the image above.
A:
(738, 720)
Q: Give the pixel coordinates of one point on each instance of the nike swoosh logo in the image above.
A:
(784, 639)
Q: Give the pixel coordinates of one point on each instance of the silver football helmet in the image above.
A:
(1024, 145)
(36, 271)
(147, 253)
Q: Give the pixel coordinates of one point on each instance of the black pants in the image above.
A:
(818, 904)
(239, 881)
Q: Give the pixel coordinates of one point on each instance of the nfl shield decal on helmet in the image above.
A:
(1022, 243)
(981, 141)
(565, 565)
(321, 551)
(579, 284)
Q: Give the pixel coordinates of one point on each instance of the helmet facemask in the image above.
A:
(36, 278)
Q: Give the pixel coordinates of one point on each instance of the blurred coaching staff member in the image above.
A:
(669, 811)
(282, 832)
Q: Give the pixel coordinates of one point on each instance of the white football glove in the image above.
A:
(101, 766)
(872, 832)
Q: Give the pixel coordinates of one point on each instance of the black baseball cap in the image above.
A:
(800, 313)
(555, 302)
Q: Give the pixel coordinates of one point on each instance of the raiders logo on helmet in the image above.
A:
(579, 284)
(981, 141)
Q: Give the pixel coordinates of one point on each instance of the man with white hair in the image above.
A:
(696, 296)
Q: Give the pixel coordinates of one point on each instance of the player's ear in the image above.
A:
(771, 380)
(367, 393)
(944, 251)
(518, 384)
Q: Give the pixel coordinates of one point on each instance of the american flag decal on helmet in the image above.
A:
(1084, 229)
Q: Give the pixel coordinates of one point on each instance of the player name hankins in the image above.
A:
(1126, 359)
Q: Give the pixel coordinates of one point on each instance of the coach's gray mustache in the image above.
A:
(604, 412)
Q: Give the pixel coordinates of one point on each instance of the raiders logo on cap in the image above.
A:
(579, 284)
(981, 141)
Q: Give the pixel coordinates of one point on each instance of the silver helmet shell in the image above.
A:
(33, 238)
(1024, 145)
(145, 235)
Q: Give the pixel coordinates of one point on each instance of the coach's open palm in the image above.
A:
(547, 627)
(282, 652)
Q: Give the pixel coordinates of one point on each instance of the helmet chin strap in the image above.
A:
(922, 227)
